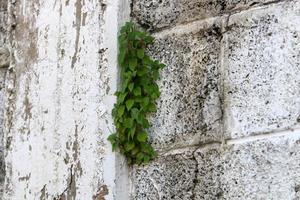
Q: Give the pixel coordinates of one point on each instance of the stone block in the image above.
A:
(168, 177)
(189, 109)
(262, 81)
(265, 169)
(157, 14)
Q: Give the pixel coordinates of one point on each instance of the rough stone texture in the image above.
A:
(3, 21)
(2, 164)
(239, 83)
(4, 60)
(157, 14)
(169, 177)
(59, 98)
(189, 110)
(266, 169)
(259, 169)
(4, 57)
(262, 72)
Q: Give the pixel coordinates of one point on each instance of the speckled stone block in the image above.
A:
(169, 177)
(189, 109)
(262, 81)
(157, 14)
(266, 169)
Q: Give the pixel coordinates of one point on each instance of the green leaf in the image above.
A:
(121, 97)
(135, 151)
(146, 101)
(112, 138)
(152, 107)
(135, 113)
(137, 91)
(129, 146)
(121, 110)
(146, 60)
(143, 71)
(131, 132)
(140, 53)
(142, 137)
(128, 123)
(122, 55)
(146, 123)
(129, 104)
(146, 159)
(132, 63)
(130, 87)
(140, 156)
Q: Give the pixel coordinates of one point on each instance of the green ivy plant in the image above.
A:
(136, 96)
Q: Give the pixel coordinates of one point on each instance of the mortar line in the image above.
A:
(183, 26)
(289, 133)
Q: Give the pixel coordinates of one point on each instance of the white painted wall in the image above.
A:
(59, 96)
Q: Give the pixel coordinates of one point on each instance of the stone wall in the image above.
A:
(3, 68)
(228, 123)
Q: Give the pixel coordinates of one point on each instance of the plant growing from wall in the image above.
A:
(136, 96)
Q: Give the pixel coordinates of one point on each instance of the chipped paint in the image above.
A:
(59, 96)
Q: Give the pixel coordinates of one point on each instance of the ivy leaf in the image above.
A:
(140, 53)
(146, 101)
(121, 98)
(135, 113)
(132, 63)
(152, 107)
(146, 159)
(121, 110)
(145, 123)
(129, 104)
(142, 137)
(128, 123)
(135, 151)
(122, 55)
(130, 87)
(129, 146)
(112, 138)
(142, 72)
(131, 132)
(137, 91)
(161, 66)
(140, 156)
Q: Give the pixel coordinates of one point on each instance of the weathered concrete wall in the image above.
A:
(4, 59)
(58, 99)
(227, 126)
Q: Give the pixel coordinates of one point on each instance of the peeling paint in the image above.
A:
(78, 6)
(103, 191)
(59, 93)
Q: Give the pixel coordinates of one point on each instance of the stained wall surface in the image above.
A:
(4, 59)
(227, 126)
(58, 98)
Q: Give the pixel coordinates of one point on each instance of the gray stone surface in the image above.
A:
(3, 19)
(156, 14)
(170, 177)
(263, 169)
(267, 169)
(189, 110)
(262, 86)
(3, 63)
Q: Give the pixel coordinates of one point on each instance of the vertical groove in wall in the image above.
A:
(122, 170)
